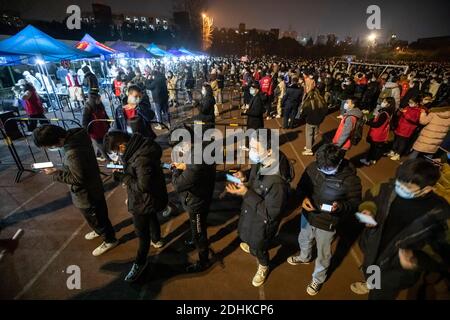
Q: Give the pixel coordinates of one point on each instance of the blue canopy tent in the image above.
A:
(176, 53)
(133, 53)
(89, 44)
(35, 47)
(33, 42)
(156, 51)
(10, 59)
(186, 52)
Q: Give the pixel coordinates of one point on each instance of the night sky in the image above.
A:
(409, 19)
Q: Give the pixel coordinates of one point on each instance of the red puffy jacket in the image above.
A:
(408, 122)
(266, 85)
(33, 105)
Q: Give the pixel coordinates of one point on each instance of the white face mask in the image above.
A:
(134, 100)
(204, 91)
(384, 104)
(253, 91)
(255, 157)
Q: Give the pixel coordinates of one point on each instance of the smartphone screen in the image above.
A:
(114, 166)
(326, 207)
(42, 165)
(166, 165)
(366, 219)
(233, 179)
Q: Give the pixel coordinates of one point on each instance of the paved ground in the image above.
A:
(54, 240)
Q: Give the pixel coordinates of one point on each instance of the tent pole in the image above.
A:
(46, 89)
(12, 75)
(54, 91)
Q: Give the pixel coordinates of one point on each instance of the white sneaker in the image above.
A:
(268, 118)
(278, 116)
(104, 247)
(307, 152)
(295, 261)
(101, 159)
(157, 245)
(91, 235)
(158, 127)
(390, 153)
(245, 247)
(260, 276)
(395, 157)
(359, 288)
(313, 288)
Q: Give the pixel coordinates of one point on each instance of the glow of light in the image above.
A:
(203, 15)
(40, 61)
(372, 37)
(398, 48)
(123, 62)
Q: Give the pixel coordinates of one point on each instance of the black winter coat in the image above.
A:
(195, 186)
(80, 170)
(293, 98)
(255, 112)
(428, 229)
(160, 94)
(206, 110)
(143, 176)
(344, 187)
(263, 205)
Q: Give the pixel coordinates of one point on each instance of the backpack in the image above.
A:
(357, 134)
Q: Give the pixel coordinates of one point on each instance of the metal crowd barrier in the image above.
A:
(19, 160)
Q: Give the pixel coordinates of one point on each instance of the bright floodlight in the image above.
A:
(40, 61)
(203, 15)
(372, 37)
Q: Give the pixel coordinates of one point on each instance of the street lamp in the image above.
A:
(372, 37)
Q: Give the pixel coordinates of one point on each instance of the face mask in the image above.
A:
(114, 156)
(411, 86)
(346, 106)
(55, 149)
(253, 91)
(384, 104)
(255, 157)
(204, 91)
(134, 100)
(412, 105)
(403, 192)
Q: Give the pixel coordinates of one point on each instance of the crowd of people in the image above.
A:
(409, 213)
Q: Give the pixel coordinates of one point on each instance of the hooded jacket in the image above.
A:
(437, 125)
(143, 176)
(80, 170)
(391, 89)
(263, 204)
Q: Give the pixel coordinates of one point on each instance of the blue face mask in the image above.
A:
(404, 193)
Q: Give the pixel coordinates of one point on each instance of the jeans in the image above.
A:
(199, 234)
(97, 218)
(311, 133)
(323, 241)
(147, 229)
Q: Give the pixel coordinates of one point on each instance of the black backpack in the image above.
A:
(357, 133)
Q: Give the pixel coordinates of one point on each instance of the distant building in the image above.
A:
(321, 39)
(432, 43)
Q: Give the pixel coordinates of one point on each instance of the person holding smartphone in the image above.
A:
(146, 188)
(329, 189)
(410, 231)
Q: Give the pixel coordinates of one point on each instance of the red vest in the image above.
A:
(98, 129)
(347, 143)
(380, 134)
(117, 87)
